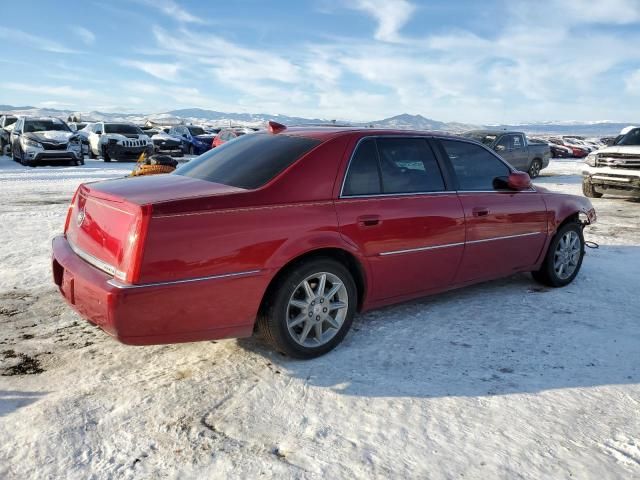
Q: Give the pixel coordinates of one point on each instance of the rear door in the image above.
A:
(505, 229)
(397, 208)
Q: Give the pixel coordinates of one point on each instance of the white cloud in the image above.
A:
(632, 83)
(87, 36)
(64, 91)
(391, 16)
(39, 43)
(171, 9)
(163, 71)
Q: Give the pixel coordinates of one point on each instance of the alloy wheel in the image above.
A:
(567, 255)
(317, 309)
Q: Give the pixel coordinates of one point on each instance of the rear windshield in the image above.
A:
(31, 126)
(122, 128)
(248, 162)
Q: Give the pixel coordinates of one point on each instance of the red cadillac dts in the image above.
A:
(294, 230)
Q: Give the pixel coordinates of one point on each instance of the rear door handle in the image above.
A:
(368, 220)
(480, 212)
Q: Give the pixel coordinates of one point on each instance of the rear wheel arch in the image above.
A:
(346, 258)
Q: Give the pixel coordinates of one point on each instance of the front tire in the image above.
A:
(534, 168)
(588, 189)
(564, 257)
(105, 155)
(309, 310)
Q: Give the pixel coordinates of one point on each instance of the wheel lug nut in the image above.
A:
(324, 309)
(318, 317)
(311, 314)
(322, 300)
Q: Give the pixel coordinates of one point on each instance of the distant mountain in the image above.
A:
(402, 121)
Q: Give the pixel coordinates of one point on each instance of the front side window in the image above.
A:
(632, 137)
(476, 169)
(363, 176)
(408, 166)
(250, 162)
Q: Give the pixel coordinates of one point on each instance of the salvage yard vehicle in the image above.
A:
(6, 121)
(614, 169)
(165, 144)
(516, 149)
(39, 139)
(117, 141)
(195, 140)
(226, 134)
(293, 230)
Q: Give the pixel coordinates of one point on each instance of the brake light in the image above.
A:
(129, 271)
(275, 127)
(70, 210)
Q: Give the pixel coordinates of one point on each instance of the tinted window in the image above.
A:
(475, 167)
(250, 161)
(122, 128)
(632, 137)
(363, 176)
(517, 142)
(196, 131)
(408, 166)
(486, 138)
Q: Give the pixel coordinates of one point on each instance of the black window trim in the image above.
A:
(473, 142)
(449, 185)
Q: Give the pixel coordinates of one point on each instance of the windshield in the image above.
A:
(10, 121)
(632, 137)
(31, 126)
(196, 131)
(485, 138)
(248, 162)
(122, 128)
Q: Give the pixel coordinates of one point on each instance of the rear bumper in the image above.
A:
(170, 312)
(608, 178)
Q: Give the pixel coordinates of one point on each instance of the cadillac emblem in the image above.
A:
(80, 217)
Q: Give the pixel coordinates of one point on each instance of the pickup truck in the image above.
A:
(614, 169)
(515, 148)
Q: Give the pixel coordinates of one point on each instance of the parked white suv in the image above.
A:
(614, 169)
(117, 141)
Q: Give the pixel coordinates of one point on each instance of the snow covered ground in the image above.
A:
(502, 380)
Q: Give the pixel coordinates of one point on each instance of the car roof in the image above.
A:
(327, 133)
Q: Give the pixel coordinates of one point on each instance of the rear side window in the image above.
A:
(475, 167)
(408, 166)
(249, 162)
(363, 177)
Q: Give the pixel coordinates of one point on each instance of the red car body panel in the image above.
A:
(184, 259)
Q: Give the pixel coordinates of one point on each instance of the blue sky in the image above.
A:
(467, 61)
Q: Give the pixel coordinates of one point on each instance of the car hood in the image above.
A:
(50, 135)
(627, 149)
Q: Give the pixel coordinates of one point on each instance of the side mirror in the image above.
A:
(519, 181)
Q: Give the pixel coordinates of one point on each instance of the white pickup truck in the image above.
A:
(614, 169)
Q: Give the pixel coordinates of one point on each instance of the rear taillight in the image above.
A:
(129, 269)
(70, 210)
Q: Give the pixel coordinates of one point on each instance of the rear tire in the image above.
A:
(105, 155)
(534, 168)
(564, 257)
(588, 189)
(304, 316)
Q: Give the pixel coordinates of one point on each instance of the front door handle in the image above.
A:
(480, 212)
(368, 220)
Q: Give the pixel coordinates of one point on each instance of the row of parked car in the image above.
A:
(31, 140)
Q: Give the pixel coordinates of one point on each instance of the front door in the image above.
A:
(505, 230)
(396, 208)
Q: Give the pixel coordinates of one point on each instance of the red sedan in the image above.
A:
(294, 230)
(225, 135)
